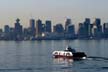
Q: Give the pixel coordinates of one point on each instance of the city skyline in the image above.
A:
(38, 30)
(55, 10)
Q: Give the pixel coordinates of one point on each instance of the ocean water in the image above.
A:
(36, 56)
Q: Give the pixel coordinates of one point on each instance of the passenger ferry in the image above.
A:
(69, 53)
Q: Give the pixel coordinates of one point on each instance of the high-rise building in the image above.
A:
(32, 27)
(48, 26)
(91, 30)
(97, 22)
(81, 31)
(70, 33)
(18, 29)
(39, 28)
(97, 32)
(7, 32)
(6, 29)
(98, 29)
(12, 33)
(32, 23)
(58, 28)
(105, 30)
(43, 28)
(71, 29)
(68, 22)
(87, 27)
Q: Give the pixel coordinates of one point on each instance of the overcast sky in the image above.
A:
(55, 10)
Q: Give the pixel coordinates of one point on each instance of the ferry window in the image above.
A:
(56, 53)
(68, 54)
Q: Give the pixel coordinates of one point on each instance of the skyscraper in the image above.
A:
(105, 30)
(87, 27)
(32, 27)
(98, 22)
(32, 23)
(91, 30)
(39, 27)
(58, 28)
(7, 32)
(67, 23)
(71, 29)
(81, 31)
(48, 26)
(98, 29)
(18, 29)
(6, 29)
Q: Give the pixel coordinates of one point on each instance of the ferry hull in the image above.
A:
(61, 56)
(69, 57)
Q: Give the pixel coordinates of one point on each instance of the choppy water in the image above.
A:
(36, 56)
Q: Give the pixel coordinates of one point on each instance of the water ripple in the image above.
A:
(20, 69)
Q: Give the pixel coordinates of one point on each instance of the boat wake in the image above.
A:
(97, 58)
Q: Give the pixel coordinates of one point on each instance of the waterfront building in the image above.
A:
(18, 29)
(6, 32)
(97, 22)
(71, 29)
(105, 30)
(58, 28)
(67, 23)
(98, 29)
(48, 26)
(32, 28)
(81, 31)
(6, 29)
(70, 34)
(87, 27)
(39, 29)
(91, 30)
(12, 33)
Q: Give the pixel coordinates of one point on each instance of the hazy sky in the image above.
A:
(56, 10)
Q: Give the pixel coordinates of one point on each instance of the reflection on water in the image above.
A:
(62, 64)
(65, 61)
